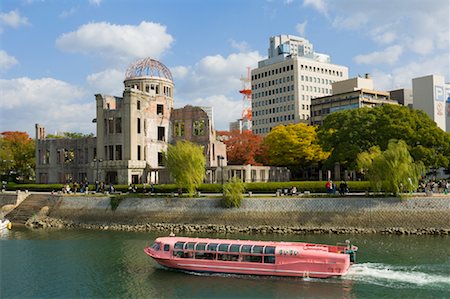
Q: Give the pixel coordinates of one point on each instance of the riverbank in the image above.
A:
(283, 215)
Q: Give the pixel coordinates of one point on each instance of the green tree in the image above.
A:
(350, 132)
(17, 155)
(72, 135)
(393, 170)
(295, 146)
(186, 163)
(232, 193)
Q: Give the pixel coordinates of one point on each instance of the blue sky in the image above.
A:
(55, 55)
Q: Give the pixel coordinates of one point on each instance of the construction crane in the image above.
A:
(246, 91)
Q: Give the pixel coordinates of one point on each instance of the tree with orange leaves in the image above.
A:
(244, 148)
(17, 155)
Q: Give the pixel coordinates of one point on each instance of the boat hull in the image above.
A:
(295, 269)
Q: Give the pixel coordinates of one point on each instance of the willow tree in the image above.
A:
(186, 163)
(392, 170)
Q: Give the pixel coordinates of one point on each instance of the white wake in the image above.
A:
(395, 276)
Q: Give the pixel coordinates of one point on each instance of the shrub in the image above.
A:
(232, 193)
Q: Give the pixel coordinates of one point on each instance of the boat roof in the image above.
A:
(174, 239)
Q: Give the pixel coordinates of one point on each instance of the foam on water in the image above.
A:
(395, 276)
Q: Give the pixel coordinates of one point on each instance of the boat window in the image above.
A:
(246, 248)
(223, 247)
(269, 250)
(190, 245)
(166, 247)
(228, 257)
(177, 253)
(212, 246)
(200, 246)
(234, 247)
(258, 249)
(178, 245)
(205, 256)
(156, 246)
(252, 258)
(269, 259)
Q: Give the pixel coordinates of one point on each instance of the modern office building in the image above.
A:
(133, 131)
(431, 95)
(348, 94)
(284, 83)
(403, 96)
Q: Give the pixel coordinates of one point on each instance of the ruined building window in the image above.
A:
(105, 126)
(69, 156)
(199, 127)
(118, 152)
(178, 129)
(118, 125)
(159, 109)
(139, 126)
(111, 152)
(161, 134)
(138, 105)
(139, 152)
(111, 125)
(160, 159)
(147, 88)
(47, 157)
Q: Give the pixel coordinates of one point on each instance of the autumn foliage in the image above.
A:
(16, 154)
(244, 148)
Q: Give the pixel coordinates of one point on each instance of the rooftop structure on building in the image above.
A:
(284, 83)
(353, 93)
(432, 95)
(403, 96)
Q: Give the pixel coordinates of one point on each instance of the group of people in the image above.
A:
(83, 187)
(435, 186)
(331, 187)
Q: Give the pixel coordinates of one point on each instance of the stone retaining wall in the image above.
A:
(380, 214)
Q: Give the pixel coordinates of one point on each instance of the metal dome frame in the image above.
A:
(148, 67)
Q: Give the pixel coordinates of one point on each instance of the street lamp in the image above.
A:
(220, 160)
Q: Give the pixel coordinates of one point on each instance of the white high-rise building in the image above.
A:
(431, 94)
(284, 83)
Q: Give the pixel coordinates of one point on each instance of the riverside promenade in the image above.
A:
(257, 214)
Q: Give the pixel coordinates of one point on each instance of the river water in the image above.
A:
(106, 264)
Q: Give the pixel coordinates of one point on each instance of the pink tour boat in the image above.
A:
(253, 257)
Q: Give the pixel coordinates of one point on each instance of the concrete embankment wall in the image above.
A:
(372, 213)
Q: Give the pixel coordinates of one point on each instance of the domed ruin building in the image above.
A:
(133, 131)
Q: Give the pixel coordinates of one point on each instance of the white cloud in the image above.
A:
(383, 34)
(421, 45)
(240, 46)
(401, 77)
(319, 5)
(109, 82)
(352, 22)
(179, 72)
(301, 27)
(6, 61)
(13, 19)
(56, 104)
(117, 42)
(68, 13)
(95, 2)
(389, 55)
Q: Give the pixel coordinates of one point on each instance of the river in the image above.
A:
(108, 264)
